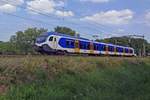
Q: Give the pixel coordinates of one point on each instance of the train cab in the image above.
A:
(46, 43)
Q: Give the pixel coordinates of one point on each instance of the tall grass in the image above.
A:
(77, 78)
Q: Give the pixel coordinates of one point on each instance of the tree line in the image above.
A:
(22, 42)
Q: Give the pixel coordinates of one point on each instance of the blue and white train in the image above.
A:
(52, 42)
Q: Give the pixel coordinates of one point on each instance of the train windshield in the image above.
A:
(41, 38)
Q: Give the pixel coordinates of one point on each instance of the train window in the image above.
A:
(104, 47)
(51, 39)
(81, 46)
(95, 47)
(118, 49)
(88, 46)
(85, 46)
(111, 48)
(72, 43)
(131, 51)
(67, 43)
(121, 49)
(126, 51)
(101, 47)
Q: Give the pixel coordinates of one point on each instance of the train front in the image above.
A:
(42, 44)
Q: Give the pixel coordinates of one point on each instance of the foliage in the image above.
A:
(22, 42)
(76, 78)
(6, 47)
(65, 30)
(25, 40)
(148, 48)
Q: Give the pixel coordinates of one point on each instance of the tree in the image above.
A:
(136, 43)
(148, 49)
(23, 41)
(5, 48)
(65, 30)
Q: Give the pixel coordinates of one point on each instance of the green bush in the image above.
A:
(129, 81)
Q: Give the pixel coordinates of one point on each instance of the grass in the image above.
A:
(75, 78)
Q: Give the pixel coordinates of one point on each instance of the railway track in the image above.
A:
(67, 55)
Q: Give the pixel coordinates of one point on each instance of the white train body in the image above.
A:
(58, 43)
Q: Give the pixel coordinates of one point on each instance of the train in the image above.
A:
(57, 43)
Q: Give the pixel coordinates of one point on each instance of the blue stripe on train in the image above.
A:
(63, 43)
(70, 43)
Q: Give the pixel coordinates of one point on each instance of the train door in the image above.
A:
(55, 42)
(91, 48)
(77, 49)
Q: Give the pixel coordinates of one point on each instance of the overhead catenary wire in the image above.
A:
(25, 18)
(44, 14)
(31, 19)
(34, 10)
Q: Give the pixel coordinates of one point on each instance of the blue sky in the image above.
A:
(105, 18)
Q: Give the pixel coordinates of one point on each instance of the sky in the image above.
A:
(104, 18)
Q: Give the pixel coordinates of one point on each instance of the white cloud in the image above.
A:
(112, 17)
(44, 6)
(12, 2)
(48, 7)
(64, 14)
(120, 30)
(59, 3)
(97, 1)
(9, 6)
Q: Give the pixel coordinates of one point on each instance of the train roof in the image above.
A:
(69, 36)
(60, 34)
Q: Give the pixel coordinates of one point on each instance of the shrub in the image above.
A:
(105, 79)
